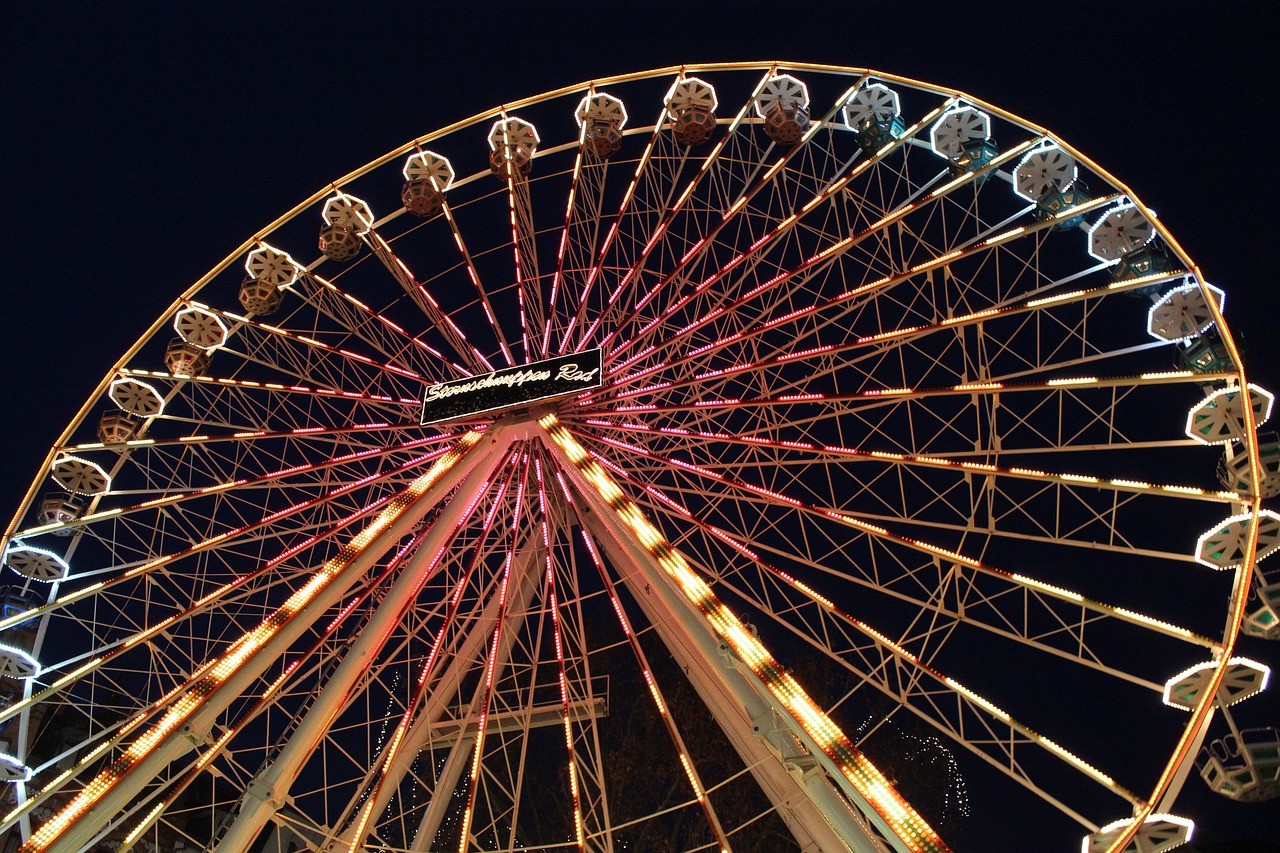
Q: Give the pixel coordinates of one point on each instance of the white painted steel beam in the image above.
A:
(815, 812)
(268, 791)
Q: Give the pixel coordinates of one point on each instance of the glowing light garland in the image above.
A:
(870, 783)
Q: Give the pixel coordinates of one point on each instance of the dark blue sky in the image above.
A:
(143, 141)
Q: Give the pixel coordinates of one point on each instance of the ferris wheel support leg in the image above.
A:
(266, 793)
(192, 714)
(814, 811)
(446, 688)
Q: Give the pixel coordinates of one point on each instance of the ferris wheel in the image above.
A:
(623, 460)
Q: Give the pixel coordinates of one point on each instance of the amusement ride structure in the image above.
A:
(724, 404)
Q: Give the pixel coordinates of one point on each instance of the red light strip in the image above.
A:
(659, 701)
(558, 641)
(385, 322)
(623, 207)
(491, 663)
(474, 275)
(662, 226)
(558, 278)
(430, 307)
(521, 272)
(313, 343)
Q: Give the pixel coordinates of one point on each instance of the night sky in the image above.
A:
(143, 144)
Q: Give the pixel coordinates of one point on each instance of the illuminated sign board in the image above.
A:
(511, 387)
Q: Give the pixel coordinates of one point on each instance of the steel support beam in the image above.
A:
(815, 812)
(269, 790)
(423, 730)
(191, 713)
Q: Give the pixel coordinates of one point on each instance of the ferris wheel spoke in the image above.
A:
(190, 492)
(779, 229)
(654, 239)
(698, 788)
(799, 277)
(508, 151)
(594, 268)
(559, 639)
(853, 403)
(810, 452)
(1033, 304)
(227, 537)
(809, 410)
(497, 645)
(651, 194)
(882, 341)
(559, 625)
(579, 233)
(421, 297)
(757, 184)
(1050, 625)
(376, 778)
(473, 275)
(394, 404)
(302, 361)
(432, 729)
(873, 532)
(234, 518)
(872, 233)
(250, 436)
(1032, 622)
(384, 370)
(460, 636)
(377, 330)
